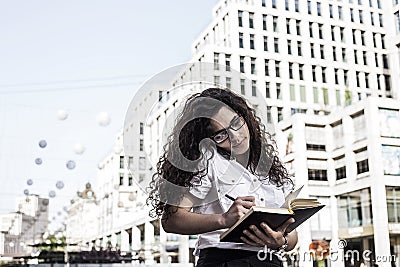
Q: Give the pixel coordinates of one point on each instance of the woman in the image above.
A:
(220, 164)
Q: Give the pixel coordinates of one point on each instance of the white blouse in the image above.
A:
(230, 177)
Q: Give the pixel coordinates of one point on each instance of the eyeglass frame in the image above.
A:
(227, 129)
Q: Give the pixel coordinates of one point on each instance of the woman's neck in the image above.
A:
(243, 159)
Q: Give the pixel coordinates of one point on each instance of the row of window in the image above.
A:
(265, 43)
(251, 20)
(315, 7)
(142, 162)
(322, 175)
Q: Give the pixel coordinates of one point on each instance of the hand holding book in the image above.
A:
(300, 209)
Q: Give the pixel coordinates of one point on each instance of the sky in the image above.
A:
(85, 58)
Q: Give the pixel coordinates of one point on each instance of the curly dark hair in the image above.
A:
(193, 126)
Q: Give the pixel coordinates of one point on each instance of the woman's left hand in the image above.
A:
(265, 236)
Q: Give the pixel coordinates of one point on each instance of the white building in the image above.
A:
(302, 56)
(24, 227)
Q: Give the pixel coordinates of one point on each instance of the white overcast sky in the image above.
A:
(85, 57)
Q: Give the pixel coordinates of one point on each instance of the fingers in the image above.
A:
(285, 225)
(247, 201)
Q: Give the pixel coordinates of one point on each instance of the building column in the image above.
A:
(336, 255)
(125, 241)
(136, 243)
(183, 249)
(148, 242)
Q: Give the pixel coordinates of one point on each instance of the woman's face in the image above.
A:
(228, 121)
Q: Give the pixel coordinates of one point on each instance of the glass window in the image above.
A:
(292, 93)
(393, 204)
(354, 209)
(240, 18)
(302, 93)
(121, 179)
(121, 162)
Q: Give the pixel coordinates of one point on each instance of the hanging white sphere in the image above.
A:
(62, 115)
(26, 192)
(52, 193)
(45, 202)
(42, 143)
(103, 119)
(71, 164)
(38, 161)
(132, 196)
(117, 149)
(29, 182)
(60, 185)
(120, 204)
(79, 148)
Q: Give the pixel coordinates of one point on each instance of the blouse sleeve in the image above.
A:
(201, 187)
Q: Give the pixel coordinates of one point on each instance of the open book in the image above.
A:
(300, 209)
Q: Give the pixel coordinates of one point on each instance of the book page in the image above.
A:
(292, 195)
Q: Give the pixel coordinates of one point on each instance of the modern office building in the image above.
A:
(334, 62)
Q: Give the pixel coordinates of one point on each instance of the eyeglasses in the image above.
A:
(221, 135)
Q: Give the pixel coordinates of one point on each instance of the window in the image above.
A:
(302, 93)
(254, 88)
(240, 40)
(121, 179)
(323, 74)
(298, 27)
(336, 76)
(325, 95)
(309, 7)
(355, 56)
(372, 18)
(276, 45)
(360, 16)
(330, 11)
(216, 61)
(317, 175)
(241, 62)
(385, 61)
(380, 20)
(278, 91)
(243, 86)
(344, 54)
(288, 26)
(130, 180)
(296, 5)
(301, 72)
(228, 62)
(319, 12)
(362, 166)
(338, 98)
(345, 77)
(342, 34)
(228, 82)
(267, 90)
(340, 12)
(273, 3)
(322, 51)
(253, 65)
(333, 33)
(289, 47)
(266, 67)
(251, 20)
(310, 29)
(364, 55)
(354, 209)
(269, 115)
(275, 23)
(383, 41)
(280, 114)
(264, 22)
(251, 41)
(141, 128)
(121, 162)
(263, 3)
(277, 69)
(320, 31)
(292, 93)
(340, 173)
(299, 50)
(312, 50)
(314, 76)
(357, 78)
(376, 60)
(141, 144)
(353, 32)
(240, 18)
(393, 204)
(351, 15)
(315, 95)
(362, 37)
(334, 55)
(265, 43)
(290, 70)
(287, 4)
(142, 163)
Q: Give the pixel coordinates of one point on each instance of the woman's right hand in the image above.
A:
(238, 208)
